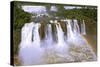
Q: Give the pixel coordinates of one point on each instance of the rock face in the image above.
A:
(75, 54)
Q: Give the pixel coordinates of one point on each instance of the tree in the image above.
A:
(20, 17)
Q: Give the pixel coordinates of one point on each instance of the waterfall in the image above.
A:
(61, 37)
(73, 33)
(26, 34)
(48, 38)
(76, 26)
(70, 33)
(61, 46)
(31, 52)
(36, 37)
(83, 30)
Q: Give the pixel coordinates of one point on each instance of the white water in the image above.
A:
(69, 30)
(36, 37)
(48, 39)
(83, 30)
(61, 37)
(61, 46)
(31, 52)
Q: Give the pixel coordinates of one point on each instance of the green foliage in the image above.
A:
(91, 13)
(85, 11)
(16, 41)
(20, 17)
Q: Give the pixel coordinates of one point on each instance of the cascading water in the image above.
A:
(83, 30)
(74, 35)
(36, 37)
(48, 39)
(76, 26)
(61, 37)
(31, 52)
(61, 46)
(26, 34)
(69, 30)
